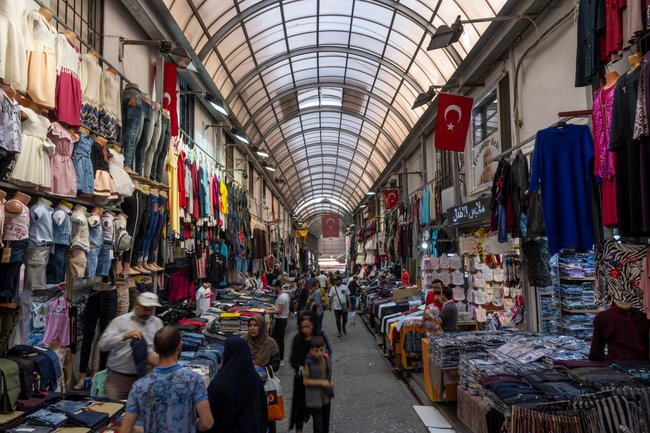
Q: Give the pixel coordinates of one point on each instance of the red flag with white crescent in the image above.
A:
(452, 123)
(392, 198)
(330, 223)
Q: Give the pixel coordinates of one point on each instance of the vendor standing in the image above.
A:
(129, 339)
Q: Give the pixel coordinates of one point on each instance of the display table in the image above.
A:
(471, 411)
(439, 383)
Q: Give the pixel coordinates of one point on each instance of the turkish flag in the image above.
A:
(452, 123)
(330, 223)
(392, 198)
(169, 97)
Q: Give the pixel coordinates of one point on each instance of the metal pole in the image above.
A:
(456, 177)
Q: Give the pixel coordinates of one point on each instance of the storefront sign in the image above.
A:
(302, 232)
(474, 211)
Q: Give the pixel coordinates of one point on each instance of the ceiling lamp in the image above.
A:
(239, 136)
(425, 98)
(445, 35)
(371, 193)
(268, 167)
(261, 152)
(216, 103)
(363, 206)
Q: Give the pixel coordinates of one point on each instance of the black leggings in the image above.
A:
(341, 314)
(278, 334)
(101, 306)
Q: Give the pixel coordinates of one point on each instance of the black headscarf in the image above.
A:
(236, 395)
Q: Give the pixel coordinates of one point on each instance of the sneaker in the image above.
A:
(281, 363)
(339, 335)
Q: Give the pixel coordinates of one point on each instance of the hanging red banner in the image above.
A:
(452, 123)
(330, 224)
(392, 198)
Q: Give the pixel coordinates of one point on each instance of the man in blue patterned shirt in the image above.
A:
(171, 399)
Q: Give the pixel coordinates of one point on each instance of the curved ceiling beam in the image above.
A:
(348, 112)
(260, 6)
(338, 110)
(320, 163)
(312, 216)
(267, 64)
(310, 192)
(329, 128)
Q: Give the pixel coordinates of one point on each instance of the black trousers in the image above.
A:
(278, 334)
(341, 316)
(101, 306)
(321, 418)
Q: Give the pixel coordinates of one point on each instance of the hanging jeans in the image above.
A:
(161, 152)
(149, 231)
(157, 234)
(134, 208)
(101, 307)
(13, 256)
(56, 264)
(341, 316)
(132, 121)
(279, 327)
(145, 136)
(152, 146)
(139, 237)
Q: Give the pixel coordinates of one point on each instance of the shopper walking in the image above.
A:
(315, 305)
(449, 313)
(339, 302)
(319, 386)
(353, 288)
(236, 395)
(322, 280)
(171, 398)
(299, 350)
(130, 340)
(264, 350)
(281, 312)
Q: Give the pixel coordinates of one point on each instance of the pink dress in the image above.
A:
(64, 178)
(603, 158)
(68, 84)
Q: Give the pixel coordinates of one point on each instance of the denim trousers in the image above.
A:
(132, 121)
(134, 207)
(47, 417)
(157, 234)
(153, 143)
(105, 261)
(92, 258)
(36, 258)
(341, 316)
(10, 268)
(145, 137)
(56, 265)
(101, 307)
(321, 418)
(140, 233)
(152, 224)
(161, 152)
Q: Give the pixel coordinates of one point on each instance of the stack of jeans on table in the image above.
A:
(446, 349)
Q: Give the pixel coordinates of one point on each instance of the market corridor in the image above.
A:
(369, 397)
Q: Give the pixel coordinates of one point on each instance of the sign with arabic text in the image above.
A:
(474, 211)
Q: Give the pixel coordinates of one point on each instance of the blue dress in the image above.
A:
(83, 165)
(561, 170)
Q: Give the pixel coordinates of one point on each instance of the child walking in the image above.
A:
(319, 386)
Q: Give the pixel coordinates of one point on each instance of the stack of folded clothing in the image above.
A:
(230, 322)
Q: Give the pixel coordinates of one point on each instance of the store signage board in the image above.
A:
(473, 211)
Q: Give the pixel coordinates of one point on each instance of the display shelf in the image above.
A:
(570, 311)
(578, 279)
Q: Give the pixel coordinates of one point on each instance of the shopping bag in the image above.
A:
(351, 316)
(274, 399)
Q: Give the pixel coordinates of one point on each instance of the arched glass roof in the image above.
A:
(327, 86)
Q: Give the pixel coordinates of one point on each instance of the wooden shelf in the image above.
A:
(578, 279)
(569, 311)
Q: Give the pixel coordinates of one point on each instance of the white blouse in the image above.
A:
(110, 96)
(67, 56)
(91, 76)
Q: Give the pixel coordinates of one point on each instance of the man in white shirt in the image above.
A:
(281, 313)
(140, 324)
(322, 280)
(203, 299)
(340, 301)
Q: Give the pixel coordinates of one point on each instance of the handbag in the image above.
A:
(351, 316)
(274, 398)
(344, 305)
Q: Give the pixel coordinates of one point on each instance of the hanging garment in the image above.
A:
(33, 166)
(604, 165)
(591, 25)
(68, 82)
(174, 206)
(83, 166)
(64, 178)
(91, 75)
(123, 182)
(40, 41)
(563, 158)
(13, 67)
(618, 271)
(103, 184)
(110, 111)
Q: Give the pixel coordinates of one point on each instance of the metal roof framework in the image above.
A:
(262, 54)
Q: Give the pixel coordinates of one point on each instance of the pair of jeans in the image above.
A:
(341, 316)
(36, 258)
(279, 328)
(145, 136)
(89, 418)
(140, 355)
(141, 234)
(105, 261)
(92, 258)
(157, 235)
(161, 153)
(68, 406)
(149, 230)
(101, 307)
(132, 121)
(321, 418)
(150, 151)
(13, 256)
(47, 418)
(56, 264)
(134, 207)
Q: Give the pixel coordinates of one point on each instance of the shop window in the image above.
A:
(485, 118)
(85, 18)
(186, 108)
(444, 177)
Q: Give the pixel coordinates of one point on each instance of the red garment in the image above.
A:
(180, 287)
(431, 299)
(216, 196)
(405, 278)
(191, 322)
(613, 25)
(624, 333)
(610, 214)
(195, 189)
(170, 79)
(182, 195)
(211, 195)
(265, 282)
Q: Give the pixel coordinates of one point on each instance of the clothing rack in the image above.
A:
(74, 200)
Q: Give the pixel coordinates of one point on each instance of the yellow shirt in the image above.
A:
(223, 205)
(174, 205)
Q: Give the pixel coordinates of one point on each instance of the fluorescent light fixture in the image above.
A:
(217, 104)
(424, 98)
(239, 136)
(445, 35)
(371, 193)
(261, 152)
(268, 167)
(363, 206)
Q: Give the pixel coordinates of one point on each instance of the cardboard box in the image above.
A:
(405, 293)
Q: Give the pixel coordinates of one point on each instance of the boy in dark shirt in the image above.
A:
(319, 386)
